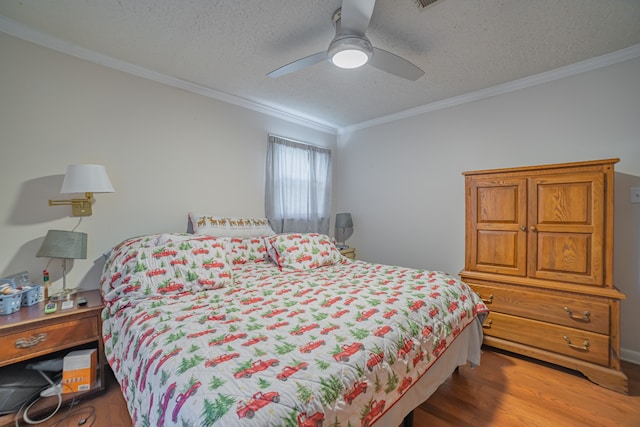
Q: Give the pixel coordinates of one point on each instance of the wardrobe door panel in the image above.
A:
(566, 228)
(498, 229)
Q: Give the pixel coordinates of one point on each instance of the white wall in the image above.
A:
(402, 180)
(166, 151)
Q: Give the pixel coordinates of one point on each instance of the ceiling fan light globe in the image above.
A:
(349, 58)
(350, 51)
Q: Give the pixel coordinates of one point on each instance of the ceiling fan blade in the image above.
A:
(356, 15)
(393, 64)
(305, 62)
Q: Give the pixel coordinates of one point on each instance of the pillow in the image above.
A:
(247, 249)
(165, 238)
(303, 251)
(230, 226)
(139, 269)
(125, 246)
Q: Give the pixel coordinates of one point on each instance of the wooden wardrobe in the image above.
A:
(539, 251)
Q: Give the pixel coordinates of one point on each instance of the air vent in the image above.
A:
(425, 3)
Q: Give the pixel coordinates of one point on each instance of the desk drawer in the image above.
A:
(572, 310)
(47, 339)
(576, 343)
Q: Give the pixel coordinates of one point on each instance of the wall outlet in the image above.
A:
(634, 194)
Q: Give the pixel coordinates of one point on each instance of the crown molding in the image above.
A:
(24, 32)
(621, 55)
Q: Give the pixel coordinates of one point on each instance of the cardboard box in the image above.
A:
(79, 370)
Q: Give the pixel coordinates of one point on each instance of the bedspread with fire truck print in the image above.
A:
(199, 333)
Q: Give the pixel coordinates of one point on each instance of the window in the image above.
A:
(298, 186)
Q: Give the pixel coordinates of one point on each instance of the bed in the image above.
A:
(278, 330)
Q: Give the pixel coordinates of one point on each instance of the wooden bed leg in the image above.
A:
(408, 420)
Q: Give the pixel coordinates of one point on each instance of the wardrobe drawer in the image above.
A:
(572, 310)
(572, 342)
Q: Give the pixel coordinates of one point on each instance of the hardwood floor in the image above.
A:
(506, 390)
(509, 390)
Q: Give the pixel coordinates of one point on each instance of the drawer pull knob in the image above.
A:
(585, 344)
(488, 300)
(586, 316)
(488, 324)
(31, 342)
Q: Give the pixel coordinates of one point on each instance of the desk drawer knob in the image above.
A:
(586, 316)
(487, 300)
(585, 344)
(31, 342)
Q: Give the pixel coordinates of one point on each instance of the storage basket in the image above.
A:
(31, 296)
(28, 293)
(10, 303)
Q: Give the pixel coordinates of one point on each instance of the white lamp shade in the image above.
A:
(86, 179)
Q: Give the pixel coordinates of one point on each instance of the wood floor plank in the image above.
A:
(506, 390)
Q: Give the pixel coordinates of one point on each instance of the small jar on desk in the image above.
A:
(349, 252)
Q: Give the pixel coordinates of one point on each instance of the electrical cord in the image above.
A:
(25, 414)
(26, 406)
(78, 224)
(85, 416)
(88, 414)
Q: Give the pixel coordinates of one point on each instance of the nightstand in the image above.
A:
(349, 252)
(30, 334)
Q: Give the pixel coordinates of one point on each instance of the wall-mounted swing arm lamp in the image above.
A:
(79, 207)
(87, 179)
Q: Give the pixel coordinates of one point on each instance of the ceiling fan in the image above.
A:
(350, 48)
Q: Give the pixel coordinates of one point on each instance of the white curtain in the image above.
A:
(298, 186)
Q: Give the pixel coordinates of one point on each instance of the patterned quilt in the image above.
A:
(203, 331)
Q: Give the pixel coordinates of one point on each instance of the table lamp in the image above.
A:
(344, 228)
(64, 245)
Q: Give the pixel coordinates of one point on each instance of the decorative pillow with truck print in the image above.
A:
(139, 269)
(165, 238)
(247, 249)
(303, 251)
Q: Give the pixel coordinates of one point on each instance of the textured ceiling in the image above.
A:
(229, 46)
